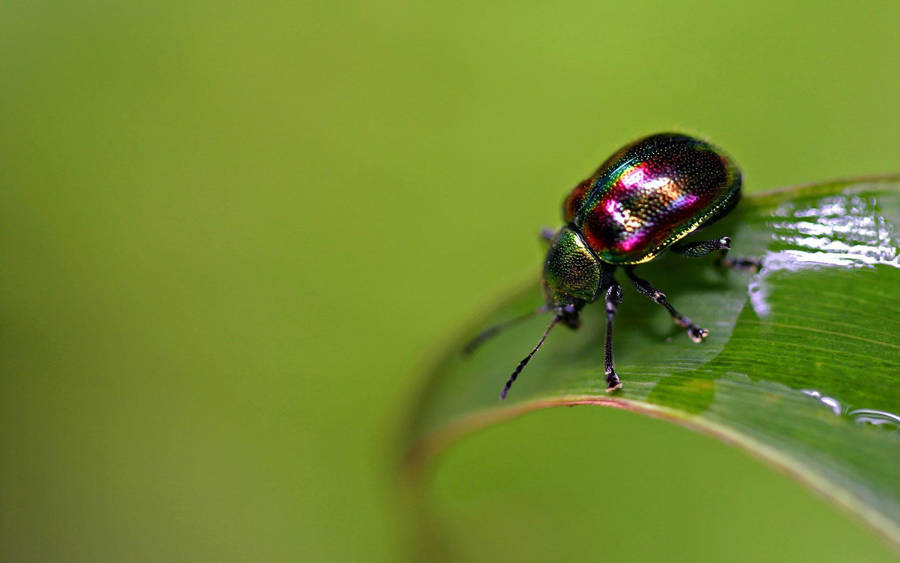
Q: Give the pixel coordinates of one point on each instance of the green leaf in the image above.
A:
(801, 368)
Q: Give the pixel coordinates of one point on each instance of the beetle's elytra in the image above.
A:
(641, 201)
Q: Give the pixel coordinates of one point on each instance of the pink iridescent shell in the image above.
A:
(650, 194)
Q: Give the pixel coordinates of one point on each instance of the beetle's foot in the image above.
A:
(697, 334)
(751, 265)
(612, 382)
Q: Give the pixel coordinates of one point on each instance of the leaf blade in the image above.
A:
(800, 367)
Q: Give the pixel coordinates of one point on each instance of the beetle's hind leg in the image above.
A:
(751, 265)
(701, 247)
(696, 333)
(721, 247)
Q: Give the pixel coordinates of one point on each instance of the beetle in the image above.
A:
(641, 202)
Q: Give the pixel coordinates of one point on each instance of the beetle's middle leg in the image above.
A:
(613, 298)
(721, 246)
(696, 333)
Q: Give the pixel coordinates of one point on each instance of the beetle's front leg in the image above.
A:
(720, 246)
(696, 333)
(547, 234)
(613, 298)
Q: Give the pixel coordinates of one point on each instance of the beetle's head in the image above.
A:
(572, 276)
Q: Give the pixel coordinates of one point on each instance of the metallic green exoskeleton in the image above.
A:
(642, 201)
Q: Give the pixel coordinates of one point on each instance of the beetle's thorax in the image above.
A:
(572, 273)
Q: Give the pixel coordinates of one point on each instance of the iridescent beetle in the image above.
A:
(642, 201)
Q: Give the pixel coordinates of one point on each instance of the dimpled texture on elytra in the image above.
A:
(650, 194)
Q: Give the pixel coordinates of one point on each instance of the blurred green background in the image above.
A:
(233, 233)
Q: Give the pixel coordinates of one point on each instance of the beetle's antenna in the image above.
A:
(526, 359)
(488, 333)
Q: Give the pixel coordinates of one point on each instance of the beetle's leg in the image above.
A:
(751, 265)
(696, 333)
(721, 246)
(613, 298)
(701, 247)
(547, 234)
